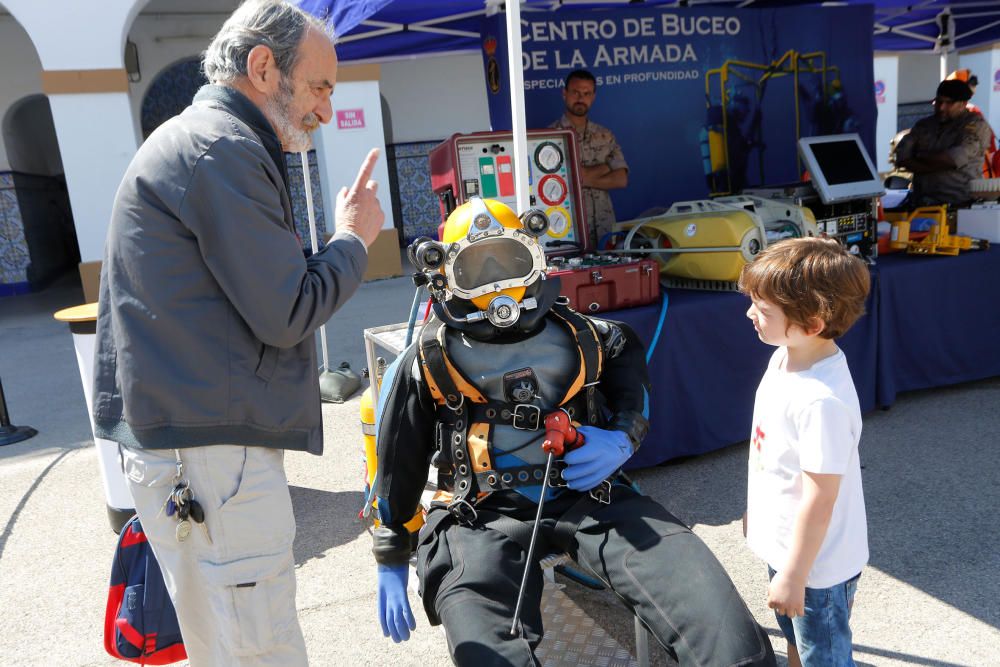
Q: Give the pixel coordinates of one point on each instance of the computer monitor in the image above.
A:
(840, 167)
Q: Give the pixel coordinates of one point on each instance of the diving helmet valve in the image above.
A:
(503, 311)
(438, 282)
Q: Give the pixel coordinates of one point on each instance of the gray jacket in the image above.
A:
(207, 305)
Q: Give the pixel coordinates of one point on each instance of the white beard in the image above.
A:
(294, 139)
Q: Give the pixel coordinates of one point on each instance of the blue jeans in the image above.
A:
(823, 636)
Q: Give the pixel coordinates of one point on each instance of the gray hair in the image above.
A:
(276, 24)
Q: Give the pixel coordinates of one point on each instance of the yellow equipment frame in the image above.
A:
(940, 241)
(791, 63)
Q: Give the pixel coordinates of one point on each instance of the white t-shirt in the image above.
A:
(806, 421)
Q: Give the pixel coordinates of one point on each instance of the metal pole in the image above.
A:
(518, 123)
(307, 178)
(531, 548)
(10, 434)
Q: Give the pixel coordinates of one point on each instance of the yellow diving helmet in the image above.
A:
(486, 264)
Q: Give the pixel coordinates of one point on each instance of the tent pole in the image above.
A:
(945, 40)
(519, 131)
(314, 240)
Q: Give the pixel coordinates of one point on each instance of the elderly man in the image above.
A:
(603, 165)
(945, 151)
(205, 368)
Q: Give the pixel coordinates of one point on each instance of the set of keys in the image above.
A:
(181, 503)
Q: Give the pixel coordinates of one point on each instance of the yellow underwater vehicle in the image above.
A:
(704, 244)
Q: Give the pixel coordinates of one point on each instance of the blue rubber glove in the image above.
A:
(393, 606)
(603, 452)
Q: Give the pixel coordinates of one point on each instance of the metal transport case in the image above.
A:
(598, 283)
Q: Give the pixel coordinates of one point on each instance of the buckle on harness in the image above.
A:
(602, 492)
(463, 511)
(523, 412)
(555, 474)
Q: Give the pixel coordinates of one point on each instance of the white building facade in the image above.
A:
(79, 80)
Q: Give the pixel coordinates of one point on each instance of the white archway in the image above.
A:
(80, 36)
(169, 93)
(34, 208)
(37, 217)
(168, 32)
(81, 51)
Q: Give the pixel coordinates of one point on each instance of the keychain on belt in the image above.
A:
(180, 503)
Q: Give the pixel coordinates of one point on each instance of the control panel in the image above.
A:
(482, 165)
(852, 222)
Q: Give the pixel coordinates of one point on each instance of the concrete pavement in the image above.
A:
(930, 596)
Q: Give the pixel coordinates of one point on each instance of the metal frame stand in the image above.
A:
(391, 338)
(10, 434)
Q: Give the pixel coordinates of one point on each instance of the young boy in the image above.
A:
(805, 507)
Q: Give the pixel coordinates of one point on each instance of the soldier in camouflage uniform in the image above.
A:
(603, 164)
(945, 151)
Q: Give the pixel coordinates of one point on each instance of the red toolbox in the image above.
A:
(597, 283)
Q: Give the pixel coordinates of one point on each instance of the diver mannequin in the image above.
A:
(470, 397)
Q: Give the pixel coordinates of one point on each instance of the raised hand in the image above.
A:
(358, 209)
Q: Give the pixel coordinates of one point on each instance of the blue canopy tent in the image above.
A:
(386, 29)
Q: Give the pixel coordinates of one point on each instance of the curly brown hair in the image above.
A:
(810, 278)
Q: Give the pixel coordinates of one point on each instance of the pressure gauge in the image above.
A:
(552, 189)
(549, 157)
(560, 223)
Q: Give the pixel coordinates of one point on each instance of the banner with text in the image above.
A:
(702, 101)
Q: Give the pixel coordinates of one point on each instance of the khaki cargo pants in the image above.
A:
(232, 581)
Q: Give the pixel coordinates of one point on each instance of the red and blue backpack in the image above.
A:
(140, 624)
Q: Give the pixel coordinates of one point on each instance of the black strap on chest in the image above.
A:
(432, 358)
(452, 454)
(587, 340)
(523, 416)
(511, 478)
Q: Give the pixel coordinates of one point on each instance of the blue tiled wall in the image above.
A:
(297, 193)
(908, 114)
(13, 246)
(37, 238)
(417, 205)
(171, 93)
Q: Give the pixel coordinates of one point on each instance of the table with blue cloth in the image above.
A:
(929, 321)
(938, 321)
